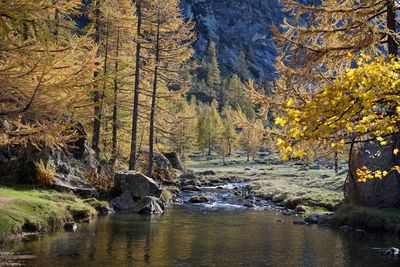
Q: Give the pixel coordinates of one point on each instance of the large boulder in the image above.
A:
(373, 193)
(149, 205)
(136, 184)
(162, 168)
(175, 160)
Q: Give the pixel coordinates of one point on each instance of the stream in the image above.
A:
(221, 233)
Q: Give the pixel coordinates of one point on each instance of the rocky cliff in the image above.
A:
(236, 25)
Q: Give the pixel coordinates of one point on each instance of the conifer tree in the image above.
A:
(213, 72)
(229, 136)
(169, 39)
(242, 69)
(315, 52)
(135, 113)
(45, 73)
(235, 91)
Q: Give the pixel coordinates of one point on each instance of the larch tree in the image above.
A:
(235, 91)
(168, 44)
(44, 74)
(108, 19)
(121, 21)
(319, 42)
(135, 113)
(252, 136)
(316, 41)
(96, 18)
(229, 128)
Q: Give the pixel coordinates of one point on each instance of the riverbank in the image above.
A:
(293, 184)
(26, 212)
(307, 189)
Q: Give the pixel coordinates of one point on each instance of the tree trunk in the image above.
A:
(248, 150)
(153, 101)
(336, 162)
(391, 24)
(115, 108)
(393, 51)
(209, 144)
(135, 115)
(56, 21)
(96, 93)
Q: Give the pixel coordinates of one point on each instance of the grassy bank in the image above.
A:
(382, 221)
(292, 184)
(24, 210)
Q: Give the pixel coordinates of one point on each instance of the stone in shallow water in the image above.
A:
(199, 199)
(70, 226)
(149, 205)
(123, 202)
(392, 251)
(191, 188)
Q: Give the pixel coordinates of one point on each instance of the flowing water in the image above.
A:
(223, 233)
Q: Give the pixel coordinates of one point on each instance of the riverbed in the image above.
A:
(221, 233)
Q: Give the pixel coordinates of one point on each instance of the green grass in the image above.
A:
(40, 210)
(384, 221)
(288, 183)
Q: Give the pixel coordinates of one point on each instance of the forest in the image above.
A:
(113, 108)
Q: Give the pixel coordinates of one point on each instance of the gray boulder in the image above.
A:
(162, 168)
(149, 205)
(136, 184)
(175, 160)
(123, 202)
(373, 193)
(75, 184)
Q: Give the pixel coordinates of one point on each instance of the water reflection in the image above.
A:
(194, 237)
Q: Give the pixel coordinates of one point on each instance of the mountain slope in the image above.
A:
(236, 25)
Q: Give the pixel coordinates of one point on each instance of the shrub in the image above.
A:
(44, 173)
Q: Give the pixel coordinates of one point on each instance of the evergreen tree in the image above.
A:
(241, 68)
(235, 91)
(213, 72)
